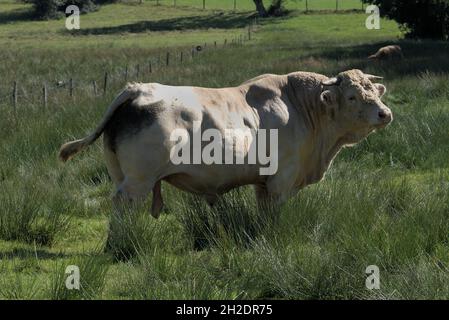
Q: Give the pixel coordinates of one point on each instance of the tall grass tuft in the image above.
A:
(24, 216)
(234, 217)
(162, 275)
(92, 270)
(131, 232)
(19, 287)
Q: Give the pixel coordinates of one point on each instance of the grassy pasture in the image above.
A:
(384, 202)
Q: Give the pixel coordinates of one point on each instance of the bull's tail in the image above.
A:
(70, 149)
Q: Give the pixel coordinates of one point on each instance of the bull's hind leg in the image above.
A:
(113, 165)
(133, 191)
(136, 192)
(129, 196)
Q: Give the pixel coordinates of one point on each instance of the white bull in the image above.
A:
(314, 117)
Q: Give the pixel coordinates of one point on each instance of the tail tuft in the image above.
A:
(69, 149)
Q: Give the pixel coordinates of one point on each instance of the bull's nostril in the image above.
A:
(382, 115)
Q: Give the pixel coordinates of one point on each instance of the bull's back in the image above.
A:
(140, 132)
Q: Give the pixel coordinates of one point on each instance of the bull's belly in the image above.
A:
(207, 181)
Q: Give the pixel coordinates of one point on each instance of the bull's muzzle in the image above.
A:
(385, 117)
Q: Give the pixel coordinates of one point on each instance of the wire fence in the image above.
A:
(247, 5)
(43, 92)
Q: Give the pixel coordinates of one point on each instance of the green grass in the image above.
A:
(384, 202)
(23, 32)
(52, 34)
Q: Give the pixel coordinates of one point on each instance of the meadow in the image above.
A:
(384, 202)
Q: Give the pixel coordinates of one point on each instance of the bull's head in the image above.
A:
(353, 100)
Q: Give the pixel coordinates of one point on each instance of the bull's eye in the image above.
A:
(352, 98)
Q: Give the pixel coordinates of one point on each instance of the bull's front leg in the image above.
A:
(275, 192)
(268, 203)
(158, 203)
(211, 199)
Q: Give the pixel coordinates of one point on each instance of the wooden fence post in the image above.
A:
(182, 57)
(71, 88)
(150, 69)
(105, 84)
(44, 96)
(167, 59)
(94, 85)
(14, 95)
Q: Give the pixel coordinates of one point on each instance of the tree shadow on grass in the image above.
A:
(17, 15)
(419, 56)
(31, 253)
(219, 21)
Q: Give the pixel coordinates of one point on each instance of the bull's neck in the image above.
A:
(323, 145)
(324, 138)
(328, 140)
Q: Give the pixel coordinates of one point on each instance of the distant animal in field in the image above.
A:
(313, 116)
(388, 53)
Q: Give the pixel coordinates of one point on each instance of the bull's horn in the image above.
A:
(373, 78)
(332, 82)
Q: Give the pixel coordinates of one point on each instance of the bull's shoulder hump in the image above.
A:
(306, 75)
(258, 78)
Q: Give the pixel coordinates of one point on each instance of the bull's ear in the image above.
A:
(328, 98)
(381, 89)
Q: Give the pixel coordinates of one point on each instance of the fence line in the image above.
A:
(233, 5)
(17, 93)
